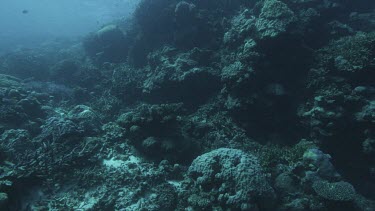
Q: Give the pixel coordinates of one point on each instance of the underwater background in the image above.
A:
(162, 105)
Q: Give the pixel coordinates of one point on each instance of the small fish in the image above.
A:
(25, 11)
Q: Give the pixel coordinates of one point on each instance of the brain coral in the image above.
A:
(336, 191)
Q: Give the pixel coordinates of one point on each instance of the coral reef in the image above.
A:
(196, 105)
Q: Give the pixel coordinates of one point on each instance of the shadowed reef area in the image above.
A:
(225, 105)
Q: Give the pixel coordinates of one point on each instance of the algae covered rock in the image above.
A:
(7, 81)
(86, 118)
(106, 45)
(25, 64)
(180, 76)
(234, 178)
(156, 130)
(274, 19)
(320, 163)
(64, 71)
(367, 114)
(184, 11)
